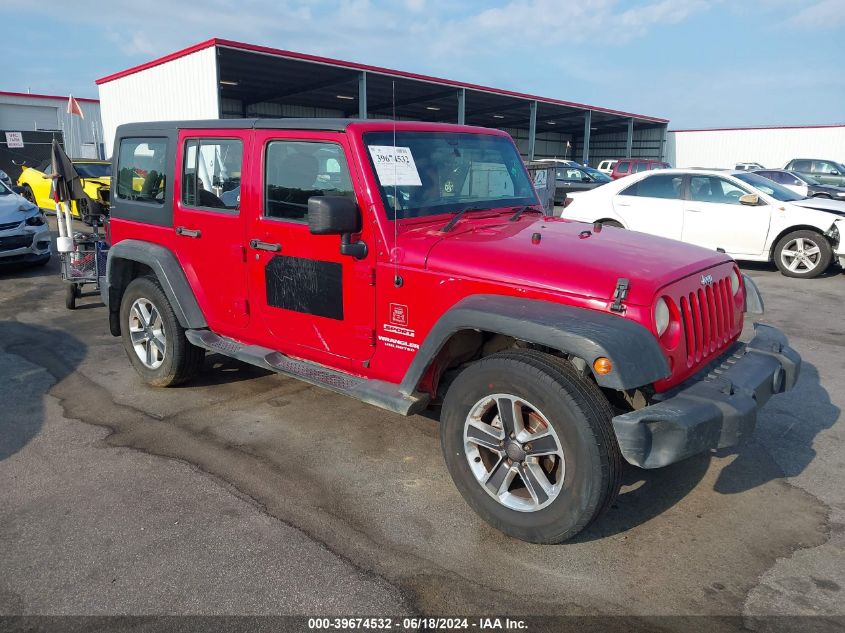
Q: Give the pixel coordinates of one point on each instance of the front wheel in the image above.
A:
(804, 254)
(618, 225)
(530, 446)
(28, 195)
(153, 338)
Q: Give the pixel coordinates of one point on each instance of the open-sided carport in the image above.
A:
(244, 80)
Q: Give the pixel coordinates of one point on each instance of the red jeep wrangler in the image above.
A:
(410, 265)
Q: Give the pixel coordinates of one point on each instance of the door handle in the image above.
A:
(265, 246)
(195, 233)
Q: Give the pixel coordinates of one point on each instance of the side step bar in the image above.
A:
(376, 392)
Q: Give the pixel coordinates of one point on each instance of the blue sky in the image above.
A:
(699, 63)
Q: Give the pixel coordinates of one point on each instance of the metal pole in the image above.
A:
(663, 141)
(629, 142)
(462, 106)
(362, 95)
(532, 130)
(588, 120)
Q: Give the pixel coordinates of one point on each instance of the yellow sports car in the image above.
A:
(37, 182)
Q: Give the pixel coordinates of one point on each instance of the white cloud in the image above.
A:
(826, 14)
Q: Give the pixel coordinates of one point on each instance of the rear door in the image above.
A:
(714, 217)
(653, 205)
(209, 224)
(312, 301)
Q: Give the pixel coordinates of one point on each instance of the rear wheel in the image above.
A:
(153, 338)
(530, 445)
(804, 254)
(618, 225)
(823, 195)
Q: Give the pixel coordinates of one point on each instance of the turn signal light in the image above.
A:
(602, 366)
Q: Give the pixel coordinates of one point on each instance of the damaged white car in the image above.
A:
(745, 215)
(24, 234)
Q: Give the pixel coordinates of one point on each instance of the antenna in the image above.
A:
(397, 280)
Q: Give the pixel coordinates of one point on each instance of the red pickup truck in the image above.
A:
(409, 265)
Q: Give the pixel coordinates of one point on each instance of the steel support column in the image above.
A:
(588, 121)
(663, 129)
(362, 95)
(629, 141)
(462, 106)
(532, 129)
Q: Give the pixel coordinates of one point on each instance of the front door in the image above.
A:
(209, 224)
(313, 302)
(715, 218)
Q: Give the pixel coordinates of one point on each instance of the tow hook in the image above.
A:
(619, 295)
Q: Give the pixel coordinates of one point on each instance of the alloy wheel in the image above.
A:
(800, 255)
(146, 330)
(514, 452)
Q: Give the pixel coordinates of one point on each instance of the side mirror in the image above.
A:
(335, 215)
(833, 172)
(750, 199)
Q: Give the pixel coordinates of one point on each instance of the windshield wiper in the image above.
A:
(521, 210)
(450, 225)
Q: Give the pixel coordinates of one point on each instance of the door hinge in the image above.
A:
(619, 295)
(366, 334)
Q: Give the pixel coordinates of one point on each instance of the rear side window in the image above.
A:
(641, 166)
(663, 186)
(297, 170)
(623, 167)
(801, 165)
(141, 170)
(211, 173)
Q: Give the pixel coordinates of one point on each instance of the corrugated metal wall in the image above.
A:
(646, 143)
(27, 114)
(183, 88)
(771, 147)
(232, 109)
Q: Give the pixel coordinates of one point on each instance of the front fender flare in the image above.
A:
(167, 270)
(635, 353)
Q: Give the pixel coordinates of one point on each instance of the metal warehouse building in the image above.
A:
(225, 79)
(26, 113)
(772, 147)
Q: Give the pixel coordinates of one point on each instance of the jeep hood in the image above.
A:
(570, 257)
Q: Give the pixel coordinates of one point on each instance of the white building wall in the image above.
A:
(183, 88)
(771, 147)
(21, 113)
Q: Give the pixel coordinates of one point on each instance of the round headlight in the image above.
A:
(661, 316)
(734, 282)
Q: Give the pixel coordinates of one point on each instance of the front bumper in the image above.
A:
(25, 244)
(715, 410)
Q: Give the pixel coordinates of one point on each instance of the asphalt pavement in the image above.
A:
(245, 492)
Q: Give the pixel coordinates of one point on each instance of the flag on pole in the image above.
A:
(73, 107)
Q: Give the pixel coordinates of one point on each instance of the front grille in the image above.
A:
(15, 241)
(707, 318)
(9, 225)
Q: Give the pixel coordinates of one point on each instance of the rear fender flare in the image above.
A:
(635, 353)
(167, 270)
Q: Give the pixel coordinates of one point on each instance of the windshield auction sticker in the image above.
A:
(395, 166)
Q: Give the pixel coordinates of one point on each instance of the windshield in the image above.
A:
(597, 175)
(93, 170)
(769, 187)
(430, 173)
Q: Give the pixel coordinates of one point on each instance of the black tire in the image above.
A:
(43, 261)
(180, 361)
(70, 296)
(821, 262)
(581, 418)
(611, 223)
(823, 195)
(28, 195)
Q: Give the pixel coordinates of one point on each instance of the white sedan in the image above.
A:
(745, 215)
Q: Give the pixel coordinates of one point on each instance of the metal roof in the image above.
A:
(333, 75)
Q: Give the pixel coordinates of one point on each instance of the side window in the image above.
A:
(659, 186)
(623, 167)
(211, 173)
(573, 174)
(297, 170)
(823, 167)
(141, 168)
(802, 165)
(712, 189)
